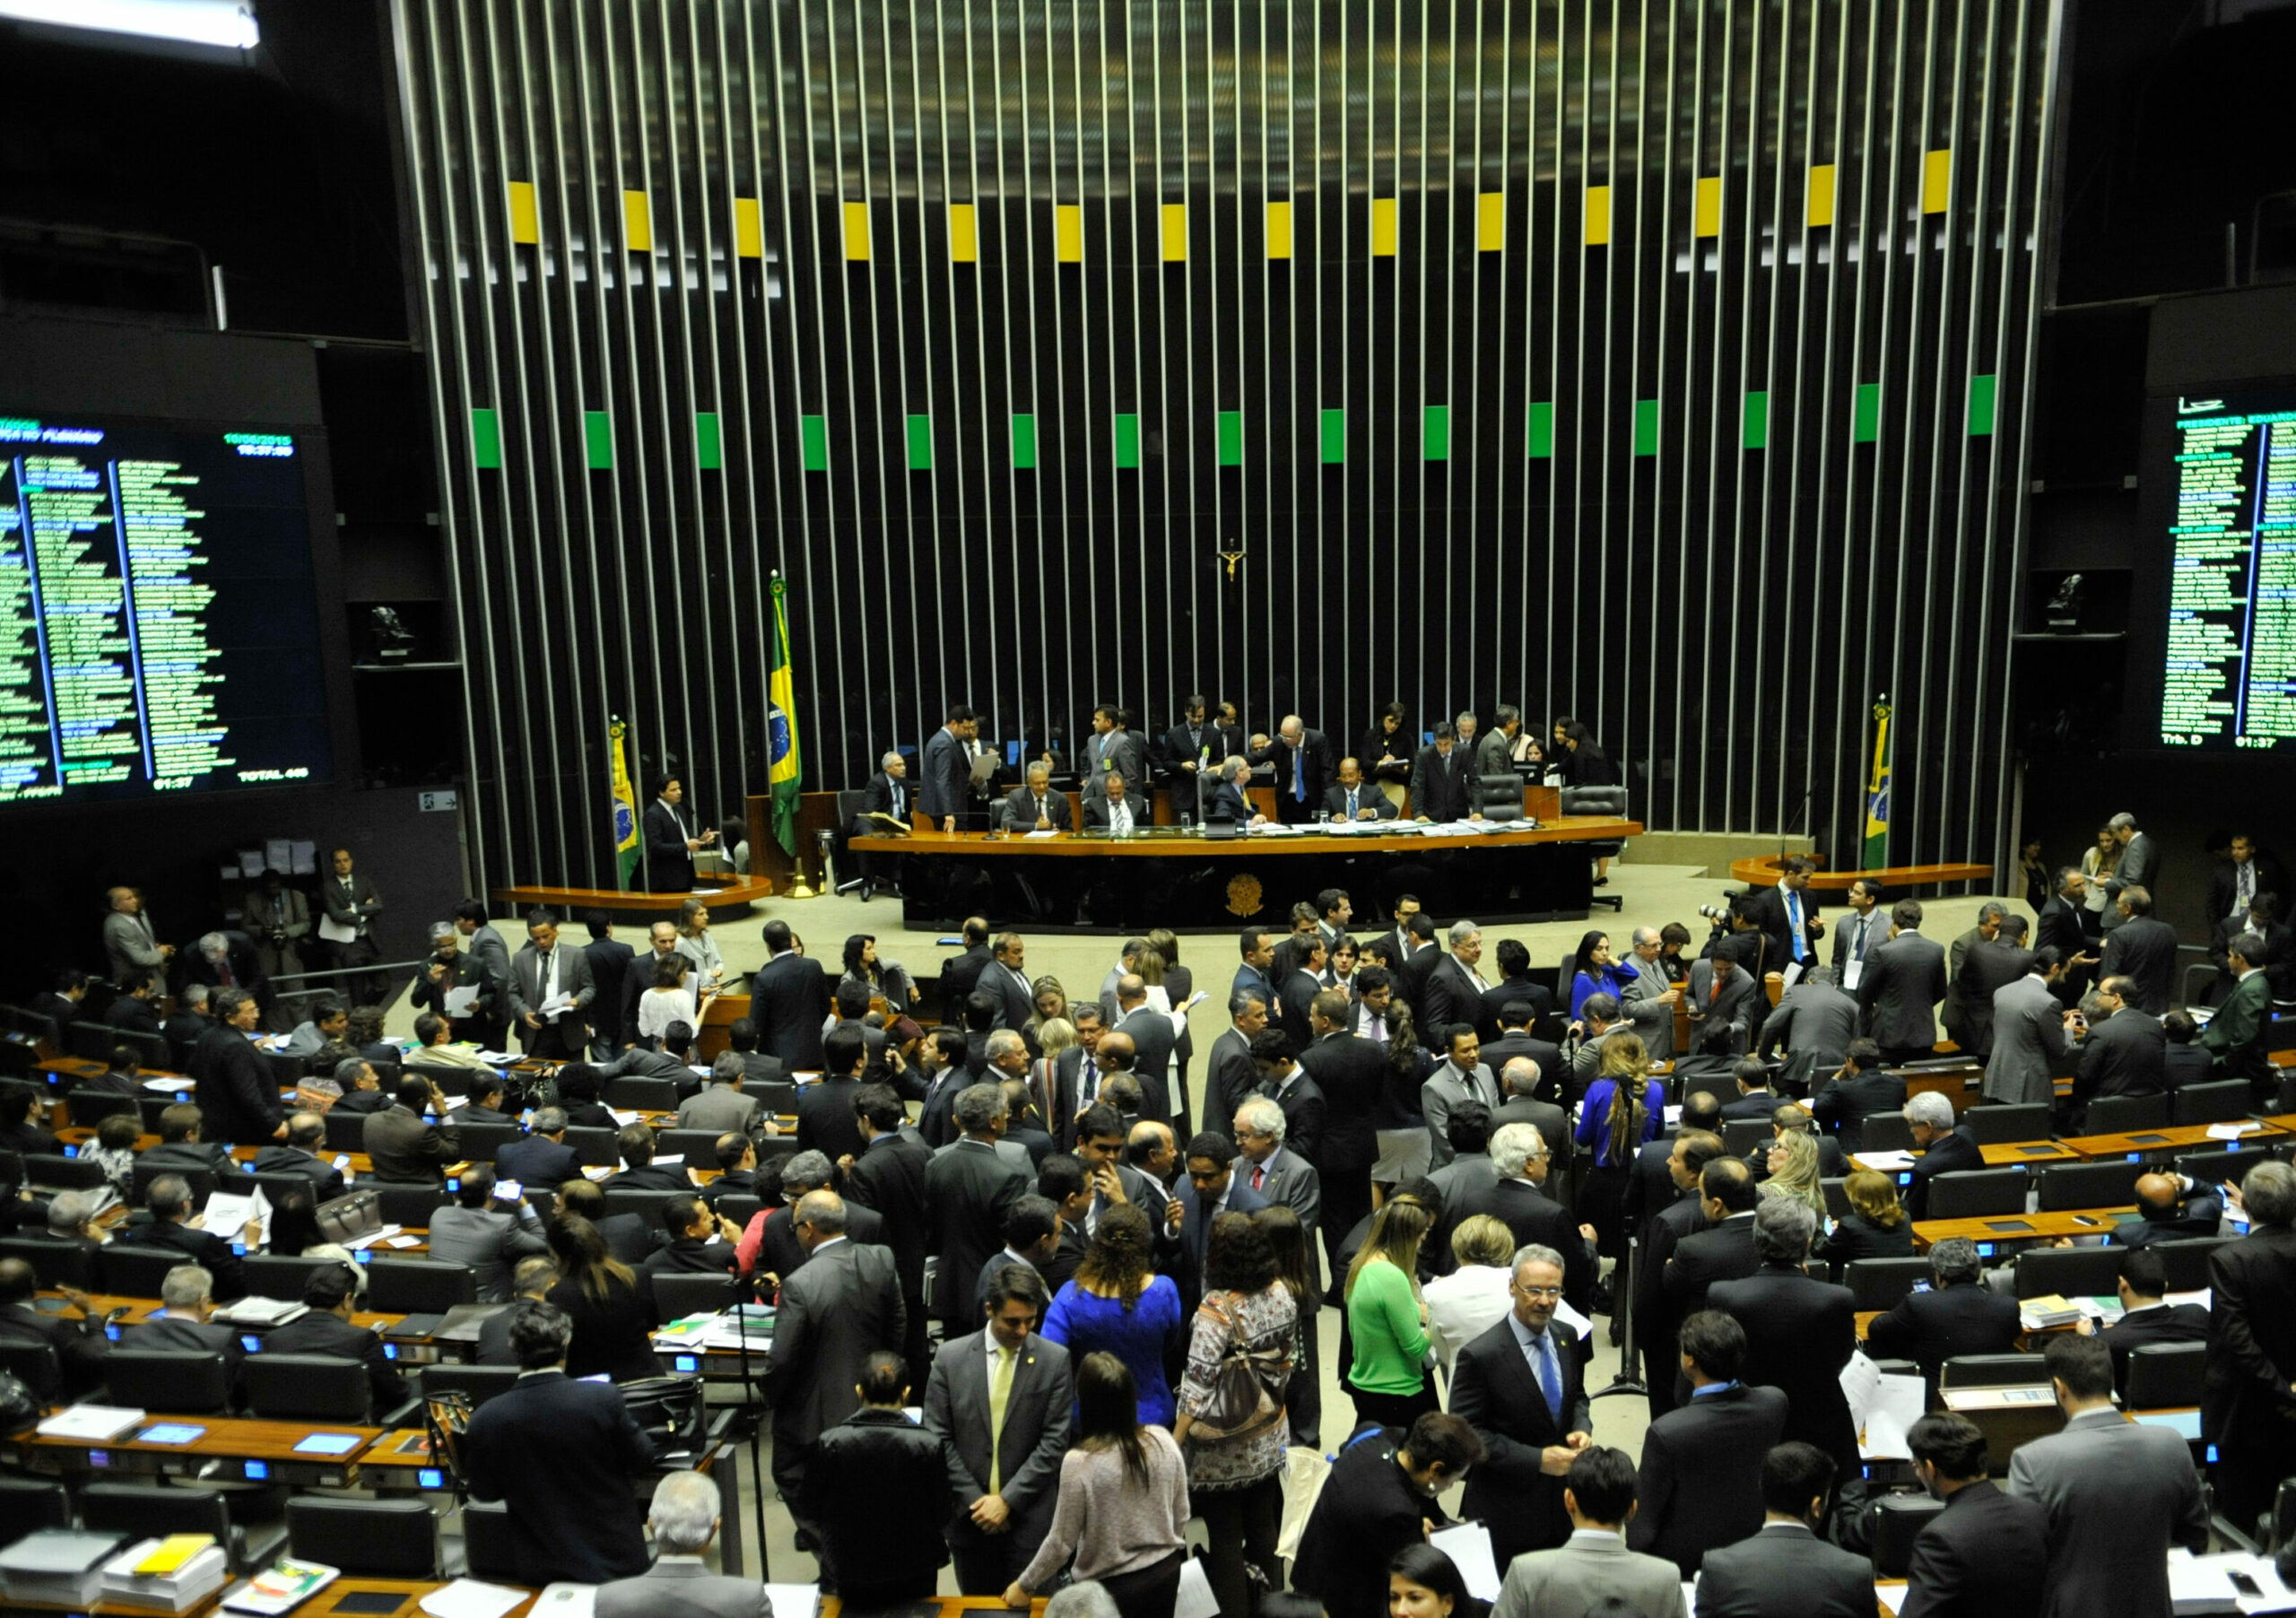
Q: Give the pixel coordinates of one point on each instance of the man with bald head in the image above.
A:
(1152, 1152)
(1519, 1078)
(1302, 759)
(1035, 806)
(1355, 799)
(842, 1306)
(2169, 1207)
(1151, 1037)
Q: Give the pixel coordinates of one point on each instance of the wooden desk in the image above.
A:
(2173, 1138)
(1763, 870)
(2000, 1156)
(409, 1590)
(570, 902)
(264, 1452)
(2035, 1227)
(140, 1310)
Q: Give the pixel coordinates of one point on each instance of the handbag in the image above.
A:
(346, 1218)
(669, 1410)
(1246, 1388)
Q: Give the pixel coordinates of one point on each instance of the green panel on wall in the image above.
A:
(597, 438)
(1980, 406)
(1232, 437)
(1866, 421)
(1024, 441)
(1127, 442)
(1756, 430)
(1334, 437)
(1646, 426)
(1541, 446)
(1435, 432)
(813, 442)
(920, 443)
(709, 448)
(485, 440)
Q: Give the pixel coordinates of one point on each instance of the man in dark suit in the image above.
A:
(2147, 1318)
(300, 1155)
(1519, 1079)
(662, 942)
(1515, 987)
(1443, 785)
(1859, 1090)
(611, 961)
(1959, 1314)
(1815, 1022)
(2237, 881)
(1785, 1570)
(887, 793)
(634, 1143)
(351, 901)
(2169, 1207)
(1722, 993)
(1153, 1040)
(1211, 1188)
(402, 1144)
(1701, 1481)
(1004, 1476)
(1904, 980)
(826, 1121)
(131, 1009)
(170, 1200)
(1353, 798)
(944, 791)
(1298, 1098)
(842, 1305)
(1192, 750)
(1120, 808)
(1231, 1072)
(1035, 806)
(1226, 805)
(888, 1175)
(771, 1243)
(2236, 1036)
(1453, 992)
(1987, 1552)
(2143, 949)
(790, 999)
(563, 1455)
(968, 1189)
(2126, 1051)
(1303, 764)
(1516, 1043)
(1668, 1218)
(1789, 916)
(2139, 866)
(1725, 1249)
(1989, 917)
(2246, 1407)
(1859, 933)
(961, 972)
(1519, 1200)
(1755, 1099)
(547, 974)
(1352, 1072)
(1519, 1386)
(1991, 965)
(329, 1295)
(80, 1346)
(1799, 1331)
(185, 1326)
(672, 839)
(239, 1097)
(541, 1161)
(1946, 1147)
(187, 1025)
(2061, 924)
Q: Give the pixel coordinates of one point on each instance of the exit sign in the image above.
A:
(442, 801)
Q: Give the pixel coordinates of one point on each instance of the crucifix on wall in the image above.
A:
(1232, 558)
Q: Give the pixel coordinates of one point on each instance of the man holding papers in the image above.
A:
(550, 990)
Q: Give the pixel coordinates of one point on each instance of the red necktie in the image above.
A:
(223, 973)
(1259, 1177)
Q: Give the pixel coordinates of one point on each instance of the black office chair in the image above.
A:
(595, 1145)
(479, 1382)
(1501, 795)
(366, 1538)
(488, 1549)
(29, 1504)
(1885, 1132)
(1880, 1283)
(133, 1272)
(55, 1263)
(776, 1146)
(2213, 1168)
(201, 1181)
(699, 1147)
(419, 1286)
(1978, 1193)
(151, 1105)
(481, 1142)
(275, 1276)
(178, 1381)
(90, 1107)
(646, 1204)
(1837, 1194)
(408, 1202)
(1722, 1087)
(677, 1296)
(850, 806)
(47, 1172)
(1992, 1370)
(34, 1364)
(1897, 1521)
(634, 1093)
(2009, 1126)
(2224, 1102)
(2186, 1261)
(1596, 800)
(306, 1388)
(2067, 1188)
(346, 1131)
(2068, 1272)
(92, 1041)
(2166, 1375)
(142, 1511)
(740, 1206)
(2120, 1114)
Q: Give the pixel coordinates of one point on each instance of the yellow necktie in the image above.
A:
(1000, 1390)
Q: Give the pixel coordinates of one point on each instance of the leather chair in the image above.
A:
(366, 1538)
(2122, 1114)
(275, 1276)
(53, 1263)
(419, 1286)
(678, 1296)
(2068, 1272)
(134, 1272)
(479, 1382)
(173, 1381)
(141, 1511)
(2009, 1126)
(2224, 1102)
(1881, 1283)
(1978, 1194)
(2166, 1375)
(1597, 800)
(2067, 1188)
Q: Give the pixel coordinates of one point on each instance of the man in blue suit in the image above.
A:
(1213, 1189)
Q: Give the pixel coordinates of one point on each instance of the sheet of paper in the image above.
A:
(1886, 1161)
(1891, 1595)
(1573, 1320)
(1034, 836)
(403, 1242)
(623, 1117)
(305, 858)
(560, 1002)
(1861, 1378)
(469, 1598)
(1899, 1402)
(459, 1000)
(167, 1086)
(2205, 1297)
(1195, 1598)
(676, 1160)
(1468, 1545)
(251, 862)
(279, 854)
(373, 1236)
(228, 1212)
(2232, 1132)
(794, 1600)
(336, 932)
(1850, 974)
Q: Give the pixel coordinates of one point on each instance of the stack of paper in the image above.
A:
(2047, 1310)
(1468, 1545)
(61, 1566)
(168, 1575)
(1886, 1162)
(93, 1423)
(261, 1311)
(469, 1598)
(228, 1212)
(281, 1588)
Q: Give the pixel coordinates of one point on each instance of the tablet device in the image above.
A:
(169, 1432)
(369, 1601)
(328, 1443)
(2008, 1226)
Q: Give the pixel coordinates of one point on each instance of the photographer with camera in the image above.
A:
(277, 919)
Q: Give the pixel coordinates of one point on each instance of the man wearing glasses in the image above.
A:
(1520, 1382)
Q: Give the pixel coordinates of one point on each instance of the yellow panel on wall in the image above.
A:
(637, 221)
(1598, 216)
(1706, 216)
(1175, 233)
(526, 213)
(1821, 208)
(1279, 230)
(749, 228)
(857, 230)
(1068, 232)
(1385, 227)
(1937, 181)
(964, 233)
(1491, 221)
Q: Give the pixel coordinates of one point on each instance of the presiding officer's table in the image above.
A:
(1189, 881)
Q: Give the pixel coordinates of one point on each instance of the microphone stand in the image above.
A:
(1622, 1305)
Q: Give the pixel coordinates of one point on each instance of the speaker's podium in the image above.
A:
(570, 903)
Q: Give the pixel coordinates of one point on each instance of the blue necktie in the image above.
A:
(1351, 805)
(1794, 921)
(1550, 1376)
(1299, 778)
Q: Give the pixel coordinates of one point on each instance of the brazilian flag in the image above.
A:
(781, 726)
(1877, 798)
(625, 804)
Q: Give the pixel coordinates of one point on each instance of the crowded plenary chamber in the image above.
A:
(1157, 810)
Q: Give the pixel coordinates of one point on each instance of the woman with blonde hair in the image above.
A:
(1054, 1035)
(1049, 1003)
(1875, 1227)
(1476, 1296)
(1387, 1319)
(1794, 1171)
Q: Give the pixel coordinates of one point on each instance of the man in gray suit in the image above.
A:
(2028, 1044)
(1462, 1077)
(1724, 993)
(544, 974)
(489, 1237)
(841, 1306)
(1650, 1000)
(130, 945)
(1785, 1570)
(1856, 935)
(1989, 917)
(2139, 867)
(1035, 808)
(1494, 750)
(1003, 1478)
(1898, 992)
(1815, 1022)
(1108, 749)
(684, 1521)
(1594, 1564)
(2118, 1494)
(721, 1105)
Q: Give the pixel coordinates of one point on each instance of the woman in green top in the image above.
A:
(1387, 1319)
